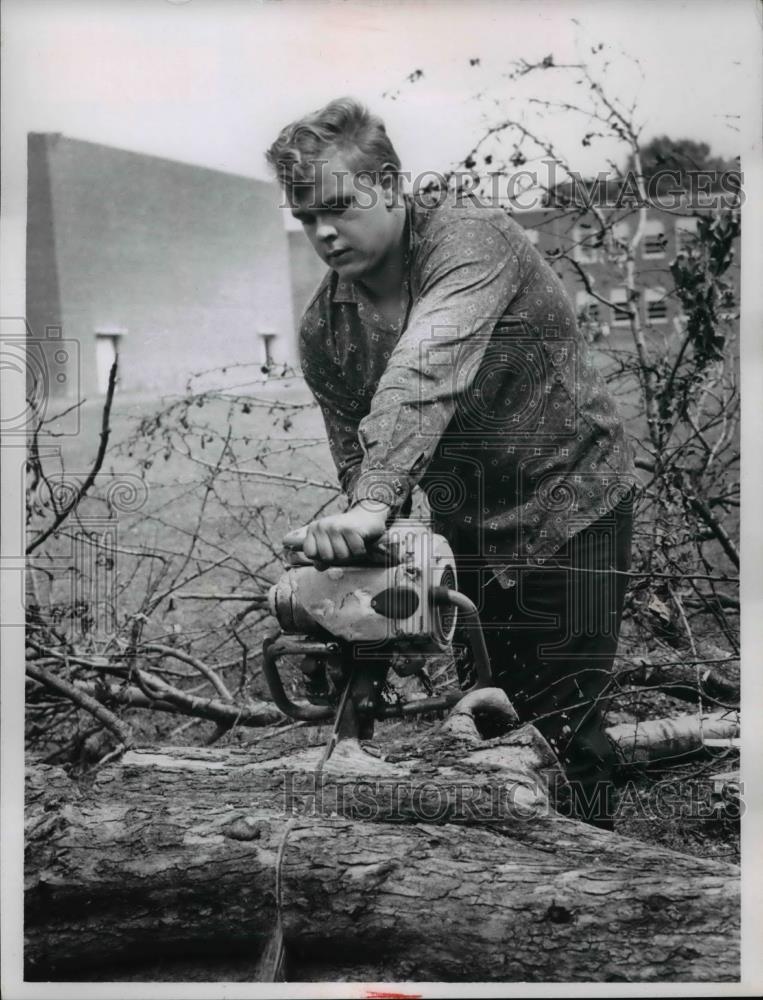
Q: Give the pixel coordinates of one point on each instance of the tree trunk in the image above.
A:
(444, 861)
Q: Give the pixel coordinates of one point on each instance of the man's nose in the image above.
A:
(325, 230)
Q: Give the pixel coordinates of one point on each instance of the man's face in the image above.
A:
(346, 217)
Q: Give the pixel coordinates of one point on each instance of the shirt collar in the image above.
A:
(345, 289)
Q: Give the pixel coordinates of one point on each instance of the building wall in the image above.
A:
(307, 271)
(183, 267)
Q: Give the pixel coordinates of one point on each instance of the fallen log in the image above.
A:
(442, 861)
(671, 740)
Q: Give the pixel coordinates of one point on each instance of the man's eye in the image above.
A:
(339, 207)
(305, 218)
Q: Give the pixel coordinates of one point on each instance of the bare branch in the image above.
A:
(90, 479)
(214, 679)
(83, 700)
(716, 527)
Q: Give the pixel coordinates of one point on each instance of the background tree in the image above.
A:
(665, 153)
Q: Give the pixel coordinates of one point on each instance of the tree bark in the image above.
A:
(443, 861)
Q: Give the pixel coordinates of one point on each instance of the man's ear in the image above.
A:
(389, 186)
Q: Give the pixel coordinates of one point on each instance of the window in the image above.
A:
(584, 249)
(621, 231)
(619, 301)
(589, 316)
(686, 233)
(656, 306)
(654, 243)
(587, 307)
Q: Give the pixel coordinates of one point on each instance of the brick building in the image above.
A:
(666, 233)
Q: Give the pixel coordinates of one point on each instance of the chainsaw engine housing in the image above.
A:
(389, 600)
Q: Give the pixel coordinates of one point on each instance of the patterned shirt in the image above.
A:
(482, 393)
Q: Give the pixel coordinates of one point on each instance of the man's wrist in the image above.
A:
(367, 503)
(382, 487)
(378, 509)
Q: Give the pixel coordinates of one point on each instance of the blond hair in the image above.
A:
(344, 125)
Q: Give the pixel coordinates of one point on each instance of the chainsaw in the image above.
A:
(350, 625)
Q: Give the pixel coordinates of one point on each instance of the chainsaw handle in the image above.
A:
(378, 552)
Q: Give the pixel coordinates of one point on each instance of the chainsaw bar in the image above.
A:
(344, 701)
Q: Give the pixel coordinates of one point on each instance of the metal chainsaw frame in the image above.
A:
(275, 648)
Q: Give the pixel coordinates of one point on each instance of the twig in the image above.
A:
(197, 664)
(294, 481)
(214, 596)
(84, 700)
(105, 663)
(90, 479)
(716, 527)
(679, 605)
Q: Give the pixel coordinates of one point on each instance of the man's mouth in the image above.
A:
(337, 255)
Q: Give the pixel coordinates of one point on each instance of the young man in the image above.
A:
(444, 353)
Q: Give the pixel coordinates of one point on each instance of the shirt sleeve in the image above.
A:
(341, 412)
(469, 276)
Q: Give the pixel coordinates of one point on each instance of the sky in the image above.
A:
(211, 82)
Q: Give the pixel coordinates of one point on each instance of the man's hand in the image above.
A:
(341, 538)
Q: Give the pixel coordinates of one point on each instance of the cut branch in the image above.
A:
(716, 527)
(212, 676)
(680, 678)
(83, 700)
(665, 740)
(251, 713)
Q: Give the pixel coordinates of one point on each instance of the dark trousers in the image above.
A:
(552, 640)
